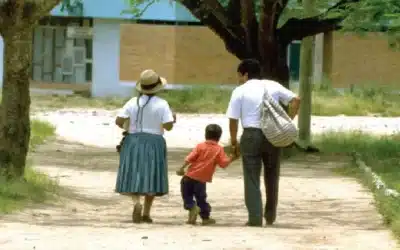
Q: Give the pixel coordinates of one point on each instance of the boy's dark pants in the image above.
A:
(256, 151)
(194, 193)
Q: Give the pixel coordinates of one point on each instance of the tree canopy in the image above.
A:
(348, 15)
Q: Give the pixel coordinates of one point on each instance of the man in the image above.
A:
(245, 104)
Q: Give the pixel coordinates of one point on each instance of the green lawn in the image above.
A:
(36, 187)
(366, 101)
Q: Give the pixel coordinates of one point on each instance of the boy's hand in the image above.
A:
(180, 172)
(234, 157)
(235, 152)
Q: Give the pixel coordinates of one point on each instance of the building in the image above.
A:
(96, 48)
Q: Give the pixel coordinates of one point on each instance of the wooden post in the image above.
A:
(327, 57)
(306, 76)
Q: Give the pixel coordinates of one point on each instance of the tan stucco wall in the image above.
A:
(364, 61)
(183, 54)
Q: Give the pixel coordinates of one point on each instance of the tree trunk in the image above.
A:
(15, 121)
(274, 67)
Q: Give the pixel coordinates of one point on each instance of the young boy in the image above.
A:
(203, 161)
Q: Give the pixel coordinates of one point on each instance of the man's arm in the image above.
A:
(234, 112)
(233, 129)
(290, 99)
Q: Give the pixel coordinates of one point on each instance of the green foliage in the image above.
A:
(40, 131)
(374, 16)
(363, 16)
(73, 7)
(138, 7)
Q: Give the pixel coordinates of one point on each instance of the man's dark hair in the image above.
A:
(213, 132)
(251, 67)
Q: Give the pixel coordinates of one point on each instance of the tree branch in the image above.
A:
(297, 29)
(267, 27)
(242, 14)
(233, 12)
(42, 9)
(213, 14)
(249, 25)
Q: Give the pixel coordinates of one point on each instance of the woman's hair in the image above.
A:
(213, 132)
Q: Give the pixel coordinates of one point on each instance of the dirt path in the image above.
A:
(316, 210)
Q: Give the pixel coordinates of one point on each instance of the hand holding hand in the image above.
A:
(235, 151)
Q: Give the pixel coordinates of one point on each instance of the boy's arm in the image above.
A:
(223, 160)
(181, 170)
(188, 160)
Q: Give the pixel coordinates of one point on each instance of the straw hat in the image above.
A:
(150, 82)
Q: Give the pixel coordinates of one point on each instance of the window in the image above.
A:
(57, 58)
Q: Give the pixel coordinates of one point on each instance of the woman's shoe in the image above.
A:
(137, 213)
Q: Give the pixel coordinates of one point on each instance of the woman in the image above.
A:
(143, 169)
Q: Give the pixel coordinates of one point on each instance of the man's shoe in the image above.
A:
(248, 224)
(208, 221)
(270, 217)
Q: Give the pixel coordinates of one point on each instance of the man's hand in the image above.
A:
(294, 106)
(180, 172)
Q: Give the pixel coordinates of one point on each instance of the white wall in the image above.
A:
(106, 53)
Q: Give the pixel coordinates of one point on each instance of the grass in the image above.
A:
(326, 102)
(382, 154)
(358, 102)
(36, 187)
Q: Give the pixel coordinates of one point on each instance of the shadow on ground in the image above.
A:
(78, 156)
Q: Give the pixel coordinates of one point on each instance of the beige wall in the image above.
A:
(364, 61)
(183, 54)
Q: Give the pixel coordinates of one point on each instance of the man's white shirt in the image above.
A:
(246, 100)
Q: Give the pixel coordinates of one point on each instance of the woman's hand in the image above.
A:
(174, 116)
(180, 172)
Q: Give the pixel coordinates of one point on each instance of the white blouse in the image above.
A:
(148, 119)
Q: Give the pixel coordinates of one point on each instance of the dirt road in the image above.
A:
(317, 210)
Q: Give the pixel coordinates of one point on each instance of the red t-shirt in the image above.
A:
(204, 159)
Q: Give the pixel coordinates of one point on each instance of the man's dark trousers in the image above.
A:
(256, 151)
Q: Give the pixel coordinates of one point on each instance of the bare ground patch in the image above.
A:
(317, 209)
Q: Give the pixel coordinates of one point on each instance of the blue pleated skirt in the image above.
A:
(143, 166)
